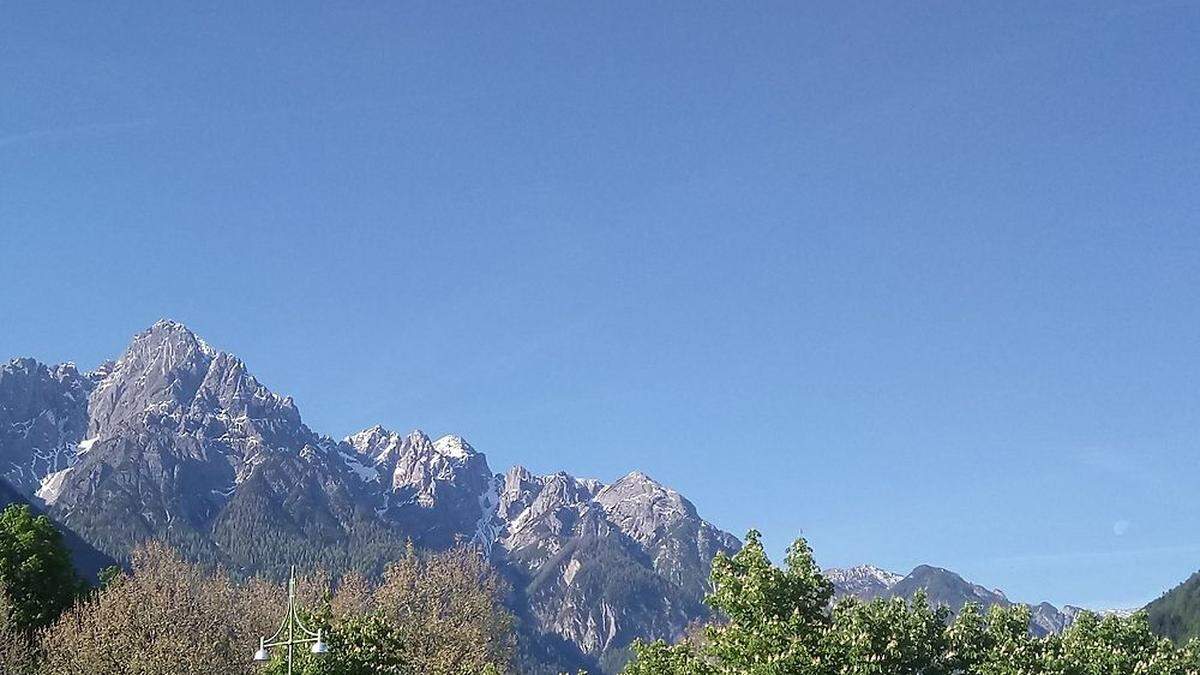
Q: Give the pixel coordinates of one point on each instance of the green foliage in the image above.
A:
(1113, 646)
(780, 622)
(660, 658)
(35, 568)
(775, 616)
(888, 637)
(359, 645)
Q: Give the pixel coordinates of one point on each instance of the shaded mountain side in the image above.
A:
(87, 559)
(1176, 614)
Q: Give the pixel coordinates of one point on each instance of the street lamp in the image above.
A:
(292, 632)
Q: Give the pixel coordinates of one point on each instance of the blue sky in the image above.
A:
(918, 283)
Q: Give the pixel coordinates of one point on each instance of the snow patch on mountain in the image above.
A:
(52, 485)
(367, 474)
(488, 526)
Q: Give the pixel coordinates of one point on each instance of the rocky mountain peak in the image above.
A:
(453, 446)
(389, 451)
(170, 378)
(375, 443)
(642, 507)
(863, 581)
(941, 587)
(435, 489)
(65, 371)
(163, 366)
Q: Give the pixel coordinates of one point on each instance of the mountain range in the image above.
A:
(176, 440)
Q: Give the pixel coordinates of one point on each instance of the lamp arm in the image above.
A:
(293, 641)
(303, 628)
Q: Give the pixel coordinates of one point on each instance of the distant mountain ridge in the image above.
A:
(177, 440)
(942, 587)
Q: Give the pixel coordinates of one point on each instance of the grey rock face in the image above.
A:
(435, 491)
(605, 564)
(43, 416)
(539, 514)
(944, 587)
(666, 526)
(170, 380)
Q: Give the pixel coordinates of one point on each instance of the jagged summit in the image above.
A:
(171, 329)
(636, 477)
(863, 581)
(453, 446)
(170, 377)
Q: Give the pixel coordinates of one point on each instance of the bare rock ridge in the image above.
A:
(177, 440)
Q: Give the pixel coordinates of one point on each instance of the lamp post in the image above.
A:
(292, 632)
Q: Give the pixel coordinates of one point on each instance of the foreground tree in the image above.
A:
(996, 644)
(36, 573)
(774, 619)
(431, 614)
(167, 617)
(18, 654)
(1113, 646)
(888, 637)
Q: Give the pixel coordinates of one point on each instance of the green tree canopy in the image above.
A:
(35, 568)
(774, 621)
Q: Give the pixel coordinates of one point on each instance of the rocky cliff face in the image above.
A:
(176, 440)
(602, 564)
(435, 491)
(43, 417)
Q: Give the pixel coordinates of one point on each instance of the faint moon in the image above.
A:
(1120, 527)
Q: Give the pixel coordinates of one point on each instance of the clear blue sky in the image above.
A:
(919, 283)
